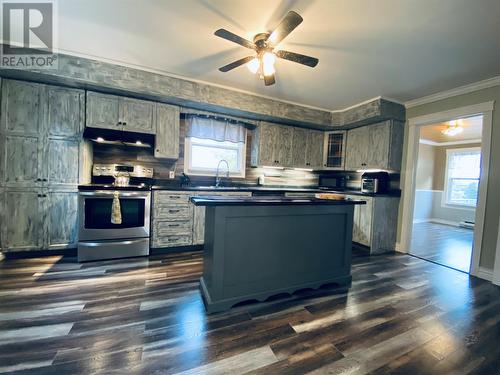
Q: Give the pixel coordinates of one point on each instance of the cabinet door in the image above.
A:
(314, 150)
(137, 115)
(334, 150)
(267, 144)
(378, 142)
(21, 133)
(22, 220)
(65, 112)
(299, 147)
(63, 162)
(364, 222)
(103, 111)
(167, 131)
(22, 111)
(357, 148)
(283, 146)
(61, 219)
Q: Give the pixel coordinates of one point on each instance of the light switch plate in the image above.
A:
(171, 174)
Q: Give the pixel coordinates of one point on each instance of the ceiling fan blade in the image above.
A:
(298, 58)
(286, 26)
(228, 35)
(269, 80)
(235, 64)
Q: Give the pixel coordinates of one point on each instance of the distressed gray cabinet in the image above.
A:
(334, 150)
(167, 131)
(120, 113)
(377, 146)
(306, 149)
(176, 221)
(375, 223)
(22, 220)
(42, 156)
(286, 146)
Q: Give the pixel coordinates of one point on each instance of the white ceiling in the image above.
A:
(472, 130)
(399, 49)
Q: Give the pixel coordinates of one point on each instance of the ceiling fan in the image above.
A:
(264, 45)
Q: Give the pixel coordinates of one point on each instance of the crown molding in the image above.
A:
(480, 85)
(450, 143)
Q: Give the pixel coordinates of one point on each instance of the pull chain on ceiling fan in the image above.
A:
(264, 44)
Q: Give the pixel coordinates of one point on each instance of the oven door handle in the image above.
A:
(110, 193)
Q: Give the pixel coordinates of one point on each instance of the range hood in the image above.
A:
(119, 137)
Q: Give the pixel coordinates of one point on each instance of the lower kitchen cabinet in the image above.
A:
(176, 221)
(375, 223)
(38, 219)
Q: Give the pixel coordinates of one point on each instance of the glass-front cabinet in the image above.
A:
(334, 150)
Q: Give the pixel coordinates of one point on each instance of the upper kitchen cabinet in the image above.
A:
(334, 150)
(307, 148)
(120, 113)
(377, 146)
(40, 135)
(167, 131)
(286, 146)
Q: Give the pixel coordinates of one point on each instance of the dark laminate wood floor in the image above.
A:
(145, 316)
(444, 244)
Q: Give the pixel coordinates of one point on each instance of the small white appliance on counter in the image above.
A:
(100, 237)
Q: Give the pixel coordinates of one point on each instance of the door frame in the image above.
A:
(496, 269)
(410, 171)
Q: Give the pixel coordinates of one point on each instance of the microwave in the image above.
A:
(337, 182)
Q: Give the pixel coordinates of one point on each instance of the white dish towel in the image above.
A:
(116, 213)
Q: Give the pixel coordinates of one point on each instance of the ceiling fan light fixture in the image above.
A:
(254, 65)
(268, 60)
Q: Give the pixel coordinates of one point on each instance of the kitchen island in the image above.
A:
(257, 247)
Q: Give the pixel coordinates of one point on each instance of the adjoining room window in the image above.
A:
(463, 169)
(208, 141)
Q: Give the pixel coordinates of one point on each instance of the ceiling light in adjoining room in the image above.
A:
(453, 129)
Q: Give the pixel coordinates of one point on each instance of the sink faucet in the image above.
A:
(217, 177)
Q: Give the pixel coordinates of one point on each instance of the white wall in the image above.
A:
(429, 207)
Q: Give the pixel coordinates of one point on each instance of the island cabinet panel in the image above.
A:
(377, 146)
(120, 113)
(43, 157)
(167, 131)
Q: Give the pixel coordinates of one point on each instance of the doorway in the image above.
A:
(456, 194)
(446, 191)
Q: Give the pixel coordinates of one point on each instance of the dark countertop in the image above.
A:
(93, 187)
(277, 189)
(269, 201)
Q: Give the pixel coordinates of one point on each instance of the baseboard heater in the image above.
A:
(467, 224)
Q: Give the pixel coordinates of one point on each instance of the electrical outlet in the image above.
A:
(171, 174)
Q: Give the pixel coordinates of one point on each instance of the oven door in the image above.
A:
(95, 215)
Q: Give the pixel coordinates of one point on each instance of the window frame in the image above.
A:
(189, 170)
(446, 193)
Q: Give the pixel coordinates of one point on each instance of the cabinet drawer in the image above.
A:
(162, 228)
(173, 212)
(171, 197)
(173, 240)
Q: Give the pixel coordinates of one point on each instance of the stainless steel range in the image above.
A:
(114, 216)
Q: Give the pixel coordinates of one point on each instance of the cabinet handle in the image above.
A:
(119, 123)
(124, 123)
(44, 179)
(39, 179)
(173, 211)
(174, 197)
(174, 225)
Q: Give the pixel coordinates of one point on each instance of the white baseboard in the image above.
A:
(485, 273)
(418, 221)
(445, 222)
